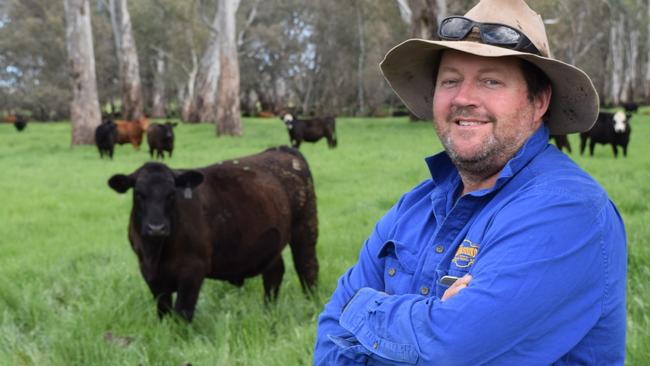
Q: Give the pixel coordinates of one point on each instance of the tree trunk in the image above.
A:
(424, 22)
(84, 108)
(158, 95)
(131, 87)
(616, 53)
(228, 109)
(631, 56)
(647, 73)
(203, 108)
(360, 61)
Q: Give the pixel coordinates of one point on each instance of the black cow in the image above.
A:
(20, 123)
(630, 107)
(160, 138)
(562, 141)
(106, 137)
(227, 221)
(610, 128)
(310, 130)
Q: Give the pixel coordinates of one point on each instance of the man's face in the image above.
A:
(481, 111)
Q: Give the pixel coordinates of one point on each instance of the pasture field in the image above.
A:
(71, 292)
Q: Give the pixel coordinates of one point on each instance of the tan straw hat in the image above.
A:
(410, 67)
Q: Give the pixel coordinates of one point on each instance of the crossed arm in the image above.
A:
(536, 290)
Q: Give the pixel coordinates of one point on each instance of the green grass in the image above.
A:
(68, 276)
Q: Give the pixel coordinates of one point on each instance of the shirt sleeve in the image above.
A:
(538, 286)
(334, 344)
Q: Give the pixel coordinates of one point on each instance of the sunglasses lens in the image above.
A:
(455, 28)
(501, 35)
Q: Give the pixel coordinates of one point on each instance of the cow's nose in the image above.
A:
(157, 230)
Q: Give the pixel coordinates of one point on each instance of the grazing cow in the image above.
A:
(105, 137)
(310, 130)
(20, 122)
(562, 141)
(610, 128)
(131, 132)
(227, 221)
(160, 138)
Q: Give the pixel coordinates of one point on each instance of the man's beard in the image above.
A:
(493, 154)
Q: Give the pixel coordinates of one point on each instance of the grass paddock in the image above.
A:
(71, 292)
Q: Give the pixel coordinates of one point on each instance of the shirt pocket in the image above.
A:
(399, 268)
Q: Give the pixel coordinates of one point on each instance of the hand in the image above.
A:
(456, 287)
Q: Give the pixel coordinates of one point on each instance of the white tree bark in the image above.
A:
(158, 94)
(360, 60)
(647, 72)
(616, 42)
(205, 93)
(228, 108)
(131, 87)
(84, 108)
(631, 57)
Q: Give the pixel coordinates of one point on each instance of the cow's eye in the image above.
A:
(139, 196)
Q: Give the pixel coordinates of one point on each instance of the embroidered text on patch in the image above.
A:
(466, 254)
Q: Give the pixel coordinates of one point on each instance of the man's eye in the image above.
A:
(449, 82)
(492, 82)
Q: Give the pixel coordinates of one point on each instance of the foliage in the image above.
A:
(71, 292)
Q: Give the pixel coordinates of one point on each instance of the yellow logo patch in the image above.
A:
(466, 254)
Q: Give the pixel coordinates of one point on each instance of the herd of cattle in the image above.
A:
(160, 137)
(231, 220)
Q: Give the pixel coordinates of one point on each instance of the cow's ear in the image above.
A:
(121, 183)
(189, 179)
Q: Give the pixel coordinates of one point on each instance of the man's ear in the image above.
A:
(121, 183)
(189, 179)
(542, 102)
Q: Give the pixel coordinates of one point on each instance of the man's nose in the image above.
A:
(466, 95)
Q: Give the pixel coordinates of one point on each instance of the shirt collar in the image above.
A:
(444, 173)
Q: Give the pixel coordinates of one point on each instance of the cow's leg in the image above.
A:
(304, 233)
(330, 141)
(110, 152)
(151, 152)
(170, 153)
(272, 278)
(592, 144)
(583, 144)
(615, 150)
(625, 150)
(187, 296)
(163, 298)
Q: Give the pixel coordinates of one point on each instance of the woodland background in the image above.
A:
(214, 60)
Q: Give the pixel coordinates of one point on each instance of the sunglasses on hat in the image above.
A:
(456, 28)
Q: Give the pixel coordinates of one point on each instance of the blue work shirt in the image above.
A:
(547, 252)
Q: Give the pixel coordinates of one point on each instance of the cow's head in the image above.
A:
(620, 122)
(287, 118)
(156, 189)
(168, 127)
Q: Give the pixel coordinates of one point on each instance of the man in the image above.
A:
(535, 247)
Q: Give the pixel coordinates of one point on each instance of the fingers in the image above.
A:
(456, 287)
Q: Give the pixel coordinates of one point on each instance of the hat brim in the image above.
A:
(410, 68)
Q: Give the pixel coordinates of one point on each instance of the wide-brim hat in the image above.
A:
(410, 67)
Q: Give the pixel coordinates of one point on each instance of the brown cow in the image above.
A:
(227, 221)
(131, 131)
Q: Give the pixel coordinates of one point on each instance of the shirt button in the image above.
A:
(424, 290)
(391, 272)
(375, 345)
(440, 249)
